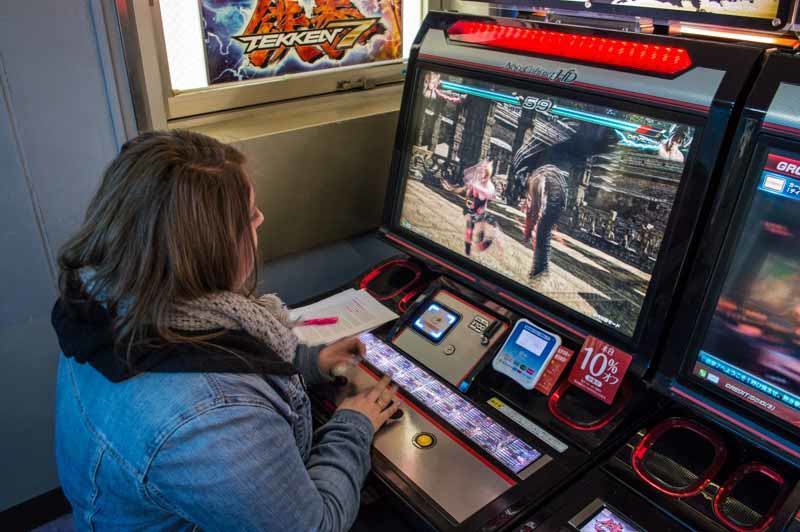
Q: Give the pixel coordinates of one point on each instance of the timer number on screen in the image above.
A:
(538, 104)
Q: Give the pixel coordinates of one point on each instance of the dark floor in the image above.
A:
(62, 524)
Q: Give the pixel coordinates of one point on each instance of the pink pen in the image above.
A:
(320, 321)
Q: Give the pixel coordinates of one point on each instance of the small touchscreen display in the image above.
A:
(526, 353)
(607, 520)
(435, 321)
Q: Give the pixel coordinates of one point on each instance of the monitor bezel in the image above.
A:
(764, 144)
(784, 13)
(674, 247)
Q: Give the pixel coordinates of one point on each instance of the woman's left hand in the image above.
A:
(347, 351)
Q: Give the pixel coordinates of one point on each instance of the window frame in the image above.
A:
(156, 103)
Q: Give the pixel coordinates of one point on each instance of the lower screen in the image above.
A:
(763, 9)
(487, 434)
(606, 520)
(752, 347)
(435, 322)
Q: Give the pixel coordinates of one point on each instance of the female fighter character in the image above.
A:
(479, 191)
(181, 401)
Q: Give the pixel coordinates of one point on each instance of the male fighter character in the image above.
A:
(670, 148)
(547, 198)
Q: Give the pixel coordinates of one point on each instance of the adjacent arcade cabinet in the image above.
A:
(547, 182)
(725, 455)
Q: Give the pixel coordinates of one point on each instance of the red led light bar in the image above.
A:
(633, 55)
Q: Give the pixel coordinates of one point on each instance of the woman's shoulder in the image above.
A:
(270, 391)
(135, 416)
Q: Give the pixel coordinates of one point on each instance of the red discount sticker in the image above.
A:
(554, 370)
(599, 369)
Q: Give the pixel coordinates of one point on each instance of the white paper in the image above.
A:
(357, 311)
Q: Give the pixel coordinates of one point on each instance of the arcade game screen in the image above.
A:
(752, 346)
(764, 9)
(569, 199)
(607, 520)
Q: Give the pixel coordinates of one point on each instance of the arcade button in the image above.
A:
(424, 440)
(450, 349)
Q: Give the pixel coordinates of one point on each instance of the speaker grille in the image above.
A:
(669, 472)
(679, 457)
(750, 497)
(740, 513)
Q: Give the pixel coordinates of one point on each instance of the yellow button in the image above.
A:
(423, 440)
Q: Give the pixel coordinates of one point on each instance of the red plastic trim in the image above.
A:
(654, 434)
(446, 431)
(642, 57)
(541, 314)
(737, 476)
(368, 278)
(736, 422)
(431, 258)
(552, 405)
(782, 129)
(412, 294)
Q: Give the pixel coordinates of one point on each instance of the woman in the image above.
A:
(479, 191)
(180, 399)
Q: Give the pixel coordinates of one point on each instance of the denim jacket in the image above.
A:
(211, 450)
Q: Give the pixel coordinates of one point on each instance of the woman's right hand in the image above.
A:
(378, 403)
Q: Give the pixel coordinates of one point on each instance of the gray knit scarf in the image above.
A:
(266, 318)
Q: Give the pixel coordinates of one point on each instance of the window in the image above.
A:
(183, 40)
(190, 57)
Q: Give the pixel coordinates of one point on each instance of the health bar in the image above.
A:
(481, 93)
(566, 112)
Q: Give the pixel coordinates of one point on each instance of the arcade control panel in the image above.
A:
(450, 335)
(444, 441)
(476, 442)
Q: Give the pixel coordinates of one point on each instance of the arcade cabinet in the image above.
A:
(546, 187)
(724, 455)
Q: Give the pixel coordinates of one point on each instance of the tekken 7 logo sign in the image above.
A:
(332, 27)
(341, 34)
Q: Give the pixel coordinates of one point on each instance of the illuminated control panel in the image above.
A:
(459, 413)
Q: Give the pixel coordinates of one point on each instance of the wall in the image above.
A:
(62, 118)
(320, 165)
